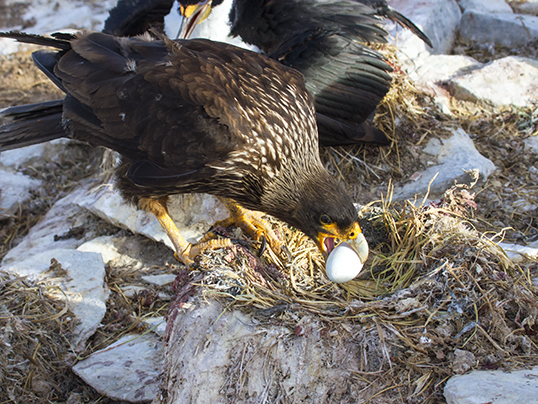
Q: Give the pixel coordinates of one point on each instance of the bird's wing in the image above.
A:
(325, 41)
(134, 17)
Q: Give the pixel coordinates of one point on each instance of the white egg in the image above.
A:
(343, 264)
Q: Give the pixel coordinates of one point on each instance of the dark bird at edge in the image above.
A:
(325, 40)
(192, 116)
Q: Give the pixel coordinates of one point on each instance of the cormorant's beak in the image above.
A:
(192, 16)
(327, 240)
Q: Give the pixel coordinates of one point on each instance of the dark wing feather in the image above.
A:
(346, 78)
(134, 17)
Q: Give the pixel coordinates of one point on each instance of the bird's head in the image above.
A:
(193, 13)
(320, 208)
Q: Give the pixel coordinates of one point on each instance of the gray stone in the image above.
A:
(159, 280)
(62, 217)
(37, 153)
(463, 361)
(435, 71)
(496, 386)
(131, 290)
(486, 6)
(193, 214)
(80, 281)
(507, 81)
(127, 370)
(519, 253)
(449, 158)
(102, 245)
(156, 324)
(15, 188)
(438, 19)
(532, 143)
(505, 29)
(526, 6)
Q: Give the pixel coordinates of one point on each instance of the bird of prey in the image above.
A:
(324, 39)
(192, 116)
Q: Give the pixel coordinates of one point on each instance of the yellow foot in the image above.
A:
(252, 224)
(185, 251)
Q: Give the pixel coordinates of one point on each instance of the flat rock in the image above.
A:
(156, 324)
(493, 387)
(532, 144)
(81, 278)
(507, 81)
(504, 29)
(159, 280)
(37, 153)
(486, 6)
(102, 245)
(438, 19)
(449, 158)
(15, 188)
(127, 370)
(519, 253)
(52, 231)
(436, 71)
(193, 214)
(525, 6)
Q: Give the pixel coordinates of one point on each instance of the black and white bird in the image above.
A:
(327, 41)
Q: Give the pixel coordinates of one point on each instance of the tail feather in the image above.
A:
(59, 42)
(31, 124)
(407, 23)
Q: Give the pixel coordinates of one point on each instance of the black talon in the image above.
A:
(262, 247)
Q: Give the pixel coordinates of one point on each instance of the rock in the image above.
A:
(438, 19)
(504, 29)
(532, 144)
(450, 157)
(156, 324)
(486, 6)
(525, 6)
(130, 290)
(81, 278)
(127, 370)
(519, 253)
(193, 214)
(507, 81)
(102, 245)
(216, 355)
(15, 188)
(496, 386)
(435, 71)
(159, 280)
(34, 154)
(53, 230)
(463, 361)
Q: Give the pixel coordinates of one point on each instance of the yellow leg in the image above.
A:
(251, 222)
(185, 251)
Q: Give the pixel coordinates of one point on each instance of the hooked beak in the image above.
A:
(192, 16)
(327, 241)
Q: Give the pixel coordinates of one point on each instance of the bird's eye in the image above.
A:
(325, 219)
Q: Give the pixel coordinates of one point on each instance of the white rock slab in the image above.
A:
(506, 29)
(81, 281)
(15, 189)
(486, 6)
(507, 81)
(36, 153)
(532, 144)
(450, 157)
(127, 370)
(497, 387)
(159, 280)
(103, 245)
(519, 253)
(436, 71)
(526, 7)
(156, 324)
(438, 19)
(193, 214)
(63, 216)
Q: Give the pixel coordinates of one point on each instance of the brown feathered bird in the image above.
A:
(193, 116)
